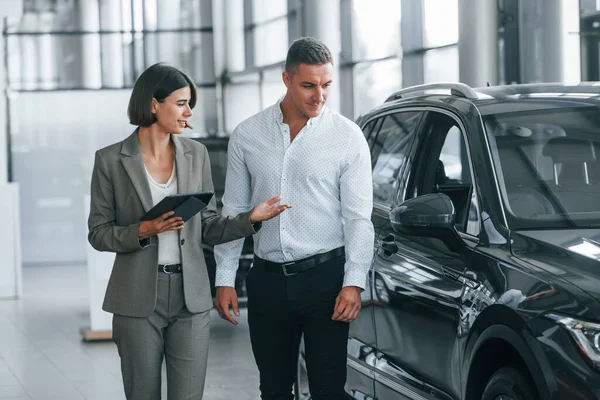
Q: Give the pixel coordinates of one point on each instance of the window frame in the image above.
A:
(374, 132)
(424, 156)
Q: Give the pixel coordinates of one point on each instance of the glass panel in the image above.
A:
(205, 117)
(375, 29)
(453, 178)
(441, 22)
(370, 133)
(390, 153)
(248, 94)
(264, 10)
(374, 82)
(441, 65)
(272, 87)
(548, 166)
(13, 49)
(271, 42)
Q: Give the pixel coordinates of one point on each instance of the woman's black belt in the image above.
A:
(169, 268)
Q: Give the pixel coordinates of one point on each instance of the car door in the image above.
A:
(419, 281)
(390, 137)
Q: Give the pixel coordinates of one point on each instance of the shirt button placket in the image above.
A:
(285, 197)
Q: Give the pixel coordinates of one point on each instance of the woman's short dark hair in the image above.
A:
(307, 50)
(156, 82)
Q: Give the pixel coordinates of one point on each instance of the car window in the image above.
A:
(370, 130)
(447, 170)
(389, 153)
(548, 166)
(453, 177)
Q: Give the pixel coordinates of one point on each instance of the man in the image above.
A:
(310, 263)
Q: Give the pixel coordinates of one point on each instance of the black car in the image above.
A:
(485, 282)
(217, 151)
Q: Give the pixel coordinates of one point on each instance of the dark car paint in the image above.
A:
(404, 326)
(551, 252)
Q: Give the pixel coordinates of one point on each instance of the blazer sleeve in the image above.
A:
(218, 229)
(103, 233)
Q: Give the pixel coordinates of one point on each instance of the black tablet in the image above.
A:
(185, 205)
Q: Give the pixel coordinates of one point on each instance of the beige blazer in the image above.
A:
(120, 196)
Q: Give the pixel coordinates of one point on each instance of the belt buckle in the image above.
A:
(283, 267)
(164, 268)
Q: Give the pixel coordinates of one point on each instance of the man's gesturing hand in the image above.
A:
(267, 210)
(158, 225)
(225, 296)
(347, 304)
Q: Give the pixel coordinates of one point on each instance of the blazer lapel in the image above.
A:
(134, 166)
(183, 161)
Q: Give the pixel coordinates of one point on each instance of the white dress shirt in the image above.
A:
(324, 174)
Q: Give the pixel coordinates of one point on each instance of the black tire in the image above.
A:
(509, 383)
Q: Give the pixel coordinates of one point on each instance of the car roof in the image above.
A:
(498, 99)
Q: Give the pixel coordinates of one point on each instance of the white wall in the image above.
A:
(54, 136)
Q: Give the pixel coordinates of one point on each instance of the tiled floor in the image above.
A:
(42, 356)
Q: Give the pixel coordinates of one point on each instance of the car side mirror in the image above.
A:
(430, 215)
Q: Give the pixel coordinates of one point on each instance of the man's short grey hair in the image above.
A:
(307, 50)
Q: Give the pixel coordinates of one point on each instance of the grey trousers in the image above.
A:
(172, 332)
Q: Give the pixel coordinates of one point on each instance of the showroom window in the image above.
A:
(269, 25)
(440, 41)
(373, 54)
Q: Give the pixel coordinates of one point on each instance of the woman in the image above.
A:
(159, 288)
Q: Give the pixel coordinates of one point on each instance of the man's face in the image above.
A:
(308, 87)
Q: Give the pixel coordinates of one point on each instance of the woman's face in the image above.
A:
(172, 114)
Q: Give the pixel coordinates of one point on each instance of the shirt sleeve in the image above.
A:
(236, 199)
(356, 195)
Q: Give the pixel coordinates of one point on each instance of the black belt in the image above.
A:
(294, 267)
(169, 268)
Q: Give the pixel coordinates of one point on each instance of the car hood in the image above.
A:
(572, 255)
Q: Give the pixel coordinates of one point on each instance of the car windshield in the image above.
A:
(548, 166)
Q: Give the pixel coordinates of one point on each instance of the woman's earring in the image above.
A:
(154, 117)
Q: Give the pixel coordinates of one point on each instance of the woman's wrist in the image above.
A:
(142, 234)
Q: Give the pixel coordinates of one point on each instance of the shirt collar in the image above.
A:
(278, 114)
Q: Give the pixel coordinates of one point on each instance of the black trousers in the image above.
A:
(282, 308)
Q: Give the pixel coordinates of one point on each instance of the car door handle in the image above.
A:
(388, 248)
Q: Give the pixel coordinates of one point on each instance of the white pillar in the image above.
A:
(169, 15)
(10, 9)
(91, 68)
(204, 55)
(46, 63)
(10, 243)
(234, 35)
(549, 41)
(112, 44)
(478, 42)
(29, 53)
(219, 39)
(99, 266)
(10, 236)
(150, 38)
(321, 20)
